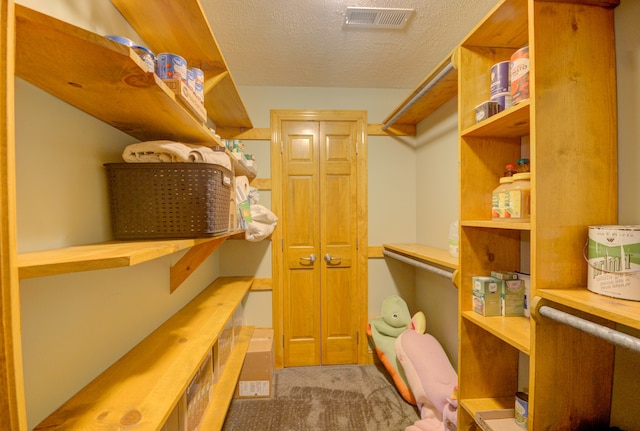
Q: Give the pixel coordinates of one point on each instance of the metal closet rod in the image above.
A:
(611, 335)
(418, 96)
(418, 264)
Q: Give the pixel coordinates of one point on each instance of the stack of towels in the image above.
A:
(174, 152)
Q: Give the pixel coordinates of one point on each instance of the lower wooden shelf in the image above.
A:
(140, 390)
(475, 405)
(512, 330)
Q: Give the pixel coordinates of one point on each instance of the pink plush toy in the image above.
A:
(431, 378)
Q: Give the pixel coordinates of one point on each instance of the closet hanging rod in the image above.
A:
(611, 335)
(418, 95)
(418, 264)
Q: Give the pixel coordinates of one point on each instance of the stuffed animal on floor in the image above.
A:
(432, 380)
(394, 319)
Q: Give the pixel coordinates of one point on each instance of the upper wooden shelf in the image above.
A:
(423, 101)
(103, 78)
(139, 391)
(426, 254)
(624, 312)
(106, 255)
(182, 28)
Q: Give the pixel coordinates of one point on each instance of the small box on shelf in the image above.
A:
(497, 420)
(487, 295)
(187, 97)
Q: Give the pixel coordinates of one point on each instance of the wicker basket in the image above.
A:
(168, 200)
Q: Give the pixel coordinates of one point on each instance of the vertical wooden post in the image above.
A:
(12, 405)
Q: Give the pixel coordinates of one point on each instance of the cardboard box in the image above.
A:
(256, 377)
(513, 297)
(487, 296)
(497, 420)
(173, 422)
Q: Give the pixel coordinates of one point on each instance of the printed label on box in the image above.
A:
(254, 388)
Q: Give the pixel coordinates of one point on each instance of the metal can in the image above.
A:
(520, 75)
(522, 409)
(171, 66)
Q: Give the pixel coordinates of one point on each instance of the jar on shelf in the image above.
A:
(520, 197)
(500, 199)
(523, 165)
(510, 170)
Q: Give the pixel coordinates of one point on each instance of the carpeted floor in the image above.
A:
(328, 398)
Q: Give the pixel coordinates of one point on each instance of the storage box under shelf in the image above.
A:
(168, 200)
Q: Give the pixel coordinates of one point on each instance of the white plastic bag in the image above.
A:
(262, 223)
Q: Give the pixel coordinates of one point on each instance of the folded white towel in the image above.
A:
(170, 151)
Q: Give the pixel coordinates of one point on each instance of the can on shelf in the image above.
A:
(171, 66)
(520, 75)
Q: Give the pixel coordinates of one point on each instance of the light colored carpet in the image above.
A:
(328, 398)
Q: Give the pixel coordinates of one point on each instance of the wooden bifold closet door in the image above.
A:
(320, 291)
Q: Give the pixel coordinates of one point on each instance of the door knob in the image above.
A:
(310, 259)
(329, 259)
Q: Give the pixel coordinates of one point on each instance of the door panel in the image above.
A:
(302, 335)
(338, 235)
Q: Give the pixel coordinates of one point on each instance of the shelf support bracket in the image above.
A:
(191, 261)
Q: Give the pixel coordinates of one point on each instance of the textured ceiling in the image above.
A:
(302, 43)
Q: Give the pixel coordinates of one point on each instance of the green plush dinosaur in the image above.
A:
(394, 319)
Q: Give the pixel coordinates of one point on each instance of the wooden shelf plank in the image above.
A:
(624, 312)
(106, 255)
(425, 253)
(511, 123)
(140, 390)
(505, 26)
(441, 92)
(216, 412)
(474, 405)
(182, 28)
(102, 78)
(512, 330)
(513, 225)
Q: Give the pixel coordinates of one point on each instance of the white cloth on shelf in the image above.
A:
(262, 223)
(176, 152)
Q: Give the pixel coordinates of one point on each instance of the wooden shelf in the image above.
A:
(475, 405)
(425, 254)
(424, 104)
(514, 225)
(512, 330)
(511, 123)
(141, 389)
(101, 77)
(91, 257)
(624, 312)
(182, 28)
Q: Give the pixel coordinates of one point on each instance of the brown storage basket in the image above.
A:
(168, 200)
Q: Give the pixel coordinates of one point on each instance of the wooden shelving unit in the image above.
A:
(192, 39)
(110, 82)
(562, 146)
(140, 390)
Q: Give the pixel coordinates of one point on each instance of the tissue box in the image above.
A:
(513, 297)
(487, 296)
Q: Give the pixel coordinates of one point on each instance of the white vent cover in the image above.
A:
(376, 17)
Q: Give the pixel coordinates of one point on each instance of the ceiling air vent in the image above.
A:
(376, 17)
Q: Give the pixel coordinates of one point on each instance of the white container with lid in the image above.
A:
(520, 197)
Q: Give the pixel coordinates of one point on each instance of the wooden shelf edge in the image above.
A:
(423, 253)
(424, 104)
(112, 254)
(496, 224)
(474, 405)
(514, 331)
(621, 311)
(140, 390)
(223, 390)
